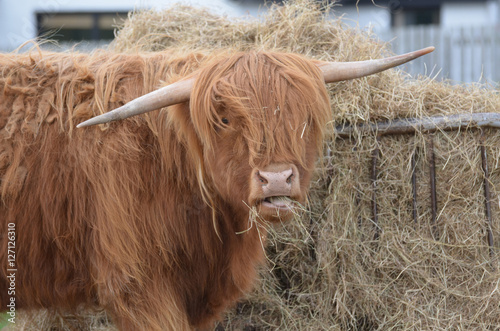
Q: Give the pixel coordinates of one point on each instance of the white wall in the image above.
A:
(470, 14)
(365, 16)
(218, 6)
(17, 23)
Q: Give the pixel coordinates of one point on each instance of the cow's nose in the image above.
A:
(277, 182)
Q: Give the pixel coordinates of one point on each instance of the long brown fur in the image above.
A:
(147, 217)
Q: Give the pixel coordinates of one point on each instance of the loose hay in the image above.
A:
(83, 319)
(334, 268)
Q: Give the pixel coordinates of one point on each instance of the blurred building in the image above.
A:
(385, 14)
(466, 33)
(74, 21)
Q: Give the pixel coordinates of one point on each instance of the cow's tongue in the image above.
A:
(281, 201)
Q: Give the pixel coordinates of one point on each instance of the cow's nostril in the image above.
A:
(289, 179)
(261, 178)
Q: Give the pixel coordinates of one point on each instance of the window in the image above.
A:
(78, 26)
(415, 16)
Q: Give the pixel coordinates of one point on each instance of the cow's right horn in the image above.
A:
(339, 71)
(172, 94)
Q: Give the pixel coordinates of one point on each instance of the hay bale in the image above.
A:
(334, 268)
(416, 275)
(328, 270)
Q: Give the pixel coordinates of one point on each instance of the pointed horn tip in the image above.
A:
(410, 56)
(82, 125)
(426, 50)
(94, 121)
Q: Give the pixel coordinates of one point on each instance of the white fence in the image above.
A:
(462, 54)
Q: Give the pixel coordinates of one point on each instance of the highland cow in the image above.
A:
(149, 217)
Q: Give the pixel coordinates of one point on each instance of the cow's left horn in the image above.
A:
(339, 71)
(166, 96)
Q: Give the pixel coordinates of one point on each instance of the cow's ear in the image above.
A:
(179, 119)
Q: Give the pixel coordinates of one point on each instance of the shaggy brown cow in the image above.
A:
(149, 217)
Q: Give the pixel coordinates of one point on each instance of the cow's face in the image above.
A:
(254, 123)
(260, 119)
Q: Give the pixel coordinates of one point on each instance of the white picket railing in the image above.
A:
(462, 54)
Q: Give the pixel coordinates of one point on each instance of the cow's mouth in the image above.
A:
(279, 203)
